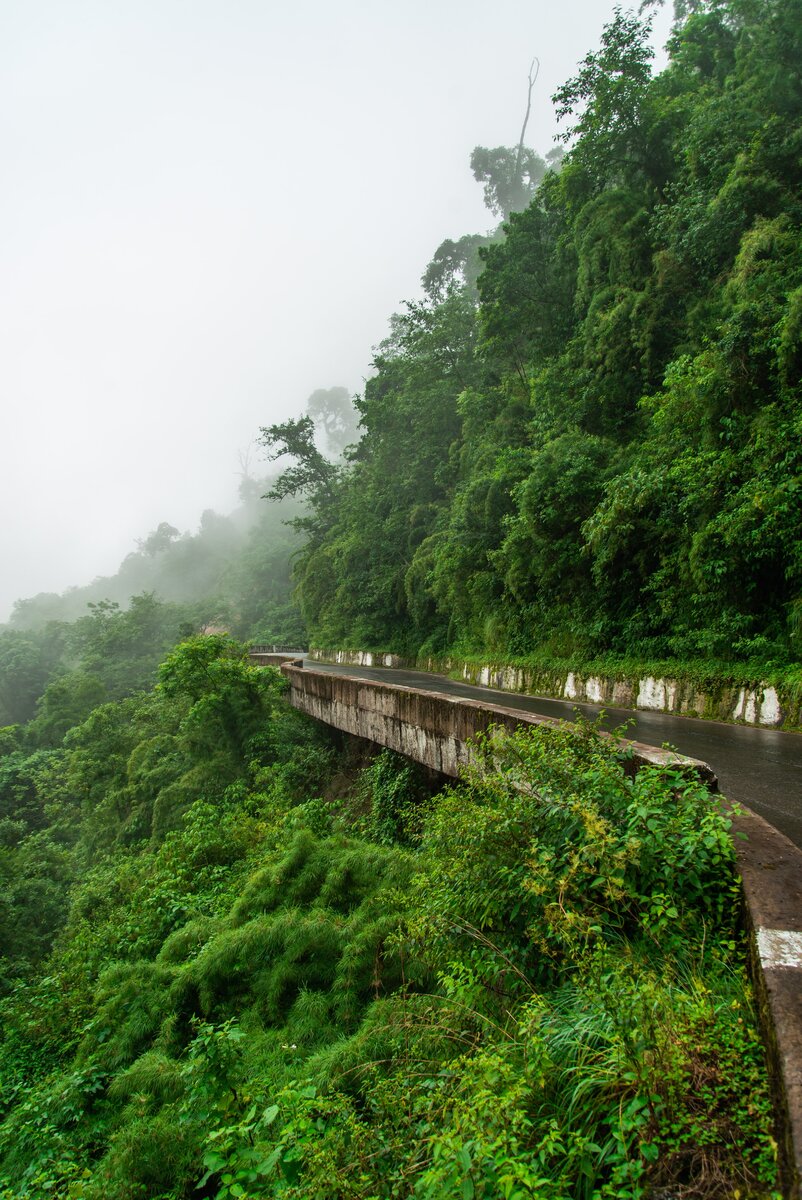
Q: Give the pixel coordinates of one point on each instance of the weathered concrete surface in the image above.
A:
(434, 729)
(272, 658)
(771, 870)
(759, 705)
(360, 658)
(429, 727)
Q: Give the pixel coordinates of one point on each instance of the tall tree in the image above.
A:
(510, 174)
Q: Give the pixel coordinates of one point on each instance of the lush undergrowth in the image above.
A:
(268, 970)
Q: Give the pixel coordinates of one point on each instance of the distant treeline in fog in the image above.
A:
(104, 640)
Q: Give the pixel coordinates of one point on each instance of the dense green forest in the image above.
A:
(585, 438)
(242, 958)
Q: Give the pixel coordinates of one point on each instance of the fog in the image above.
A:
(209, 211)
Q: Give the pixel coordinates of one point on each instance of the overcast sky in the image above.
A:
(210, 210)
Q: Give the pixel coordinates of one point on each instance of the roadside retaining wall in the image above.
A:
(759, 705)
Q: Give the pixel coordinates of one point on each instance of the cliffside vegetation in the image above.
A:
(585, 439)
(239, 961)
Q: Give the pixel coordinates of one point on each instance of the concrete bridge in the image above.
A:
(435, 730)
(429, 727)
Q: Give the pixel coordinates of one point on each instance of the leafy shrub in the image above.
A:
(551, 846)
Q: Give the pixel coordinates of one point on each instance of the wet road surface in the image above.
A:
(761, 768)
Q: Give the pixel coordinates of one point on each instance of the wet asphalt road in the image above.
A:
(761, 768)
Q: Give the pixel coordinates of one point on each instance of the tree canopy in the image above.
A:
(585, 438)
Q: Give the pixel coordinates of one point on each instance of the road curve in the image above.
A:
(761, 768)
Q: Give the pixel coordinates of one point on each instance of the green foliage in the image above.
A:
(607, 100)
(312, 474)
(26, 664)
(65, 702)
(395, 794)
(599, 855)
(510, 176)
(524, 996)
(579, 978)
(603, 452)
(218, 982)
(353, 568)
(228, 701)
